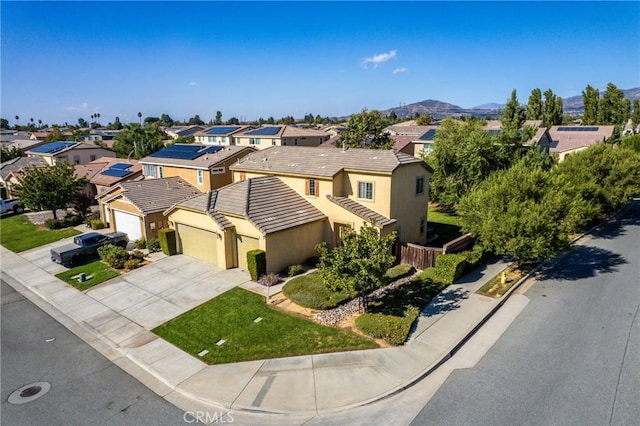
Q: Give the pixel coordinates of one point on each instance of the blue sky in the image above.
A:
(64, 60)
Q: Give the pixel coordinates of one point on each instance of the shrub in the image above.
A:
(137, 254)
(153, 245)
(91, 217)
(295, 270)
(140, 243)
(397, 272)
(450, 267)
(167, 238)
(132, 264)
(311, 292)
(269, 279)
(392, 329)
(114, 256)
(96, 224)
(54, 223)
(71, 220)
(256, 263)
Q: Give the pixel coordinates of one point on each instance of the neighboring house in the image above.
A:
(42, 135)
(221, 226)
(334, 130)
(569, 139)
(8, 136)
(268, 136)
(403, 144)
(106, 172)
(206, 167)
(71, 152)
(24, 144)
(136, 207)
(218, 135)
(11, 170)
(184, 132)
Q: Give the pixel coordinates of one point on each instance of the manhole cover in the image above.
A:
(28, 393)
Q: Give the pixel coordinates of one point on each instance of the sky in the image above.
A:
(64, 60)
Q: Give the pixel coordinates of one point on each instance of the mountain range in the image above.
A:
(438, 109)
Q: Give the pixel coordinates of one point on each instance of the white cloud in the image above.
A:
(379, 58)
(82, 107)
(193, 83)
(399, 70)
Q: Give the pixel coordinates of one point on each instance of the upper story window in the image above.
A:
(92, 157)
(217, 170)
(200, 177)
(150, 170)
(243, 175)
(311, 187)
(254, 141)
(365, 190)
(420, 185)
(427, 148)
(211, 139)
(273, 142)
(160, 172)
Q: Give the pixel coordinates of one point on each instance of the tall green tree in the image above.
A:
(590, 99)
(50, 188)
(359, 264)
(552, 109)
(218, 120)
(635, 115)
(116, 125)
(195, 121)
(366, 130)
(534, 105)
(612, 107)
(166, 120)
(136, 141)
(4, 123)
(424, 119)
(9, 153)
(513, 115)
(55, 135)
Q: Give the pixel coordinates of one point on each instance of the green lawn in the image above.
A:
(311, 292)
(445, 224)
(231, 316)
(100, 271)
(18, 234)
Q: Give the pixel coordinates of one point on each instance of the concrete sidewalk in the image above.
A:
(298, 387)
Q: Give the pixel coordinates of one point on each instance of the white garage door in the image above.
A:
(129, 223)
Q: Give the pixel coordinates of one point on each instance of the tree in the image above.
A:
(534, 106)
(82, 122)
(424, 119)
(635, 115)
(151, 120)
(137, 141)
(17, 121)
(233, 120)
(40, 124)
(140, 117)
(612, 107)
(55, 135)
(551, 109)
(9, 153)
(359, 264)
(218, 120)
(366, 130)
(590, 99)
(512, 116)
(166, 120)
(195, 120)
(49, 188)
(117, 125)
(4, 123)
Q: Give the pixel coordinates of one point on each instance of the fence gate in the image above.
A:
(417, 256)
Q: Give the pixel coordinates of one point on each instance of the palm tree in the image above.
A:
(98, 114)
(140, 117)
(40, 124)
(17, 121)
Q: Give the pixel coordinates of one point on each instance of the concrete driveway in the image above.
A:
(164, 289)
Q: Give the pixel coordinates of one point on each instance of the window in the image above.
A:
(92, 157)
(420, 185)
(200, 177)
(295, 141)
(243, 175)
(160, 172)
(427, 148)
(273, 142)
(311, 187)
(152, 225)
(76, 159)
(422, 225)
(365, 190)
(150, 170)
(254, 141)
(217, 171)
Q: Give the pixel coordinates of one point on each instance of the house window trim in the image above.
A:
(422, 189)
(311, 187)
(200, 176)
(160, 172)
(217, 170)
(150, 171)
(373, 188)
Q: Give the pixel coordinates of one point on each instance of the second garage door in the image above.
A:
(129, 223)
(198, 243)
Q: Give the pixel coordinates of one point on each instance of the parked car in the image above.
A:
(86, 245)
(11, 206)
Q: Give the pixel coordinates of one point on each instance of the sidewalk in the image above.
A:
(296, 386)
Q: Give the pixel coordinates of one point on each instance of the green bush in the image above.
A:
(114, 256)
(450, 267)
(91, 217)
(397, 272)
(311, 292)
(392, 329)
(257, 263)
(167, 238)
(295, 270)
(140, 243)
(132, 264)
(71, 220)
(54, 223)
(96, 224)
(137, 254)
(153, 245)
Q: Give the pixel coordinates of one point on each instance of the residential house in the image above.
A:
(268, 136)
(569, 139)
(206, 167)
(24, 144)
(185, 132)
(218, 135)
(106, 172)
(135, 207)
(11, 171)
(8, 136)
(71, 152)
(287, 199)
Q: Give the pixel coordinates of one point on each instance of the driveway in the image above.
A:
(166, 288)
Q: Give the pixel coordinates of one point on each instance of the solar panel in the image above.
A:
(222, 130)
(116, 172)
(266, 131)
(211, 149)
(428, 136)
(53, 147)
(121, 166)
(578, 129)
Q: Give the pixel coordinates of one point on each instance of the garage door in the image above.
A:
(198, 243)
(244, 245)
(129, 223)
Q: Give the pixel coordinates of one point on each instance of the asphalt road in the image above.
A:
(572, 357)
(86, 388)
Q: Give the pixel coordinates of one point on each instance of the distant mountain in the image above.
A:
(439, 109)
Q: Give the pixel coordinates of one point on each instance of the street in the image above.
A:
(572, 357)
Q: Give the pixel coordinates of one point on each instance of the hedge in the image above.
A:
(257, 263)
(450, 267)
(167, 238)
(392, 329)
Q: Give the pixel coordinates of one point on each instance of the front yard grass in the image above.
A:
(99, 271)
(445, 224)
(18, 234)
(231, 317)
(496, 288)
(311, 292)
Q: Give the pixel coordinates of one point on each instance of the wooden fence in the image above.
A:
(459, 244)
(419, 257)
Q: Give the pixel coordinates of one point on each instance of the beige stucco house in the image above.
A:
(218, 135)
(569, 139)
(268, 136)
(71, 152)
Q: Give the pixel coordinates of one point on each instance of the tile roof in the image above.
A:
(107, 162)
(25, 144)
(563, 141)
(18, 163)
(408, 130)
(154, 195)
(205, 131)
(293, 131)
(400, 142)
(267, 202)
(361, 211)
(204, 161)
(311, 161)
